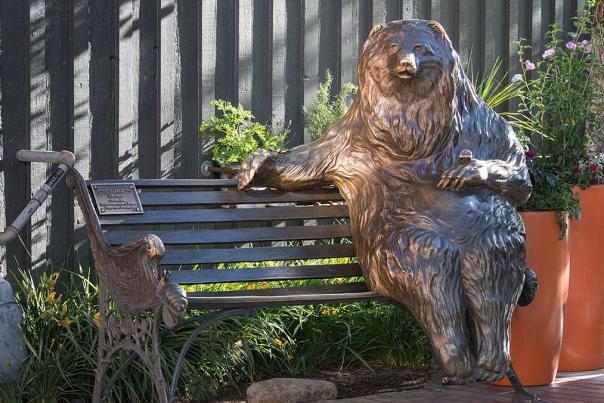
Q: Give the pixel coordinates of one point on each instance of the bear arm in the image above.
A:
(510, 179)
(303, 167)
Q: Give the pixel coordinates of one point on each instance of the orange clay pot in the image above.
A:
(583, 341)
(537, 328)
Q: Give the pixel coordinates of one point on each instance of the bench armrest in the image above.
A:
(131, 272)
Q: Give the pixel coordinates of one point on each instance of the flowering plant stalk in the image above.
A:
(557, 100)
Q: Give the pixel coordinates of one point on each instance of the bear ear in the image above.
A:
(377, 29)
(435, 25)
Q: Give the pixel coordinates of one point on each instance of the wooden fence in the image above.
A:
(125, 83)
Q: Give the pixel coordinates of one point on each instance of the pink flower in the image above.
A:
(571, 45)
(584, 42)
(529, 65)
(548, 53)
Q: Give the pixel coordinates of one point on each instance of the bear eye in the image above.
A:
(394, 47)
(419, 48)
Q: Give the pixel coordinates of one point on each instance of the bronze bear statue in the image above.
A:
(432, 177)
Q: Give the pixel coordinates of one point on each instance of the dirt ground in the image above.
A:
(364, 381)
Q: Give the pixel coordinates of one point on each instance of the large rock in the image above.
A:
(291, 390)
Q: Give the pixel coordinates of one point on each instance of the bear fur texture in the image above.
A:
(437, 233)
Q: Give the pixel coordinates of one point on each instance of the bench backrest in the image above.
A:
(209, 227)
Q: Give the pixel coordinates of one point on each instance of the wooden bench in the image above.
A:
(254, 226)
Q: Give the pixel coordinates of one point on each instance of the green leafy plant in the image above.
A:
(60, 328)
(326, 110)
(495, 88)
(238, 135)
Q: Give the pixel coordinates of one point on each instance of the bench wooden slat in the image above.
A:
(332, 293)
(247, 197)
(171, 183)
(215, 236)
(212, 276)
(203, 256)
(226, 215)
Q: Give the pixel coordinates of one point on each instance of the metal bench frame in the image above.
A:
(133, 282)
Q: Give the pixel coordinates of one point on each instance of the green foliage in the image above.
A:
(589, 171)
(552, 192)
(61, 332)
(557, 98)
(326, 110)
(493, 87)
(238, 135)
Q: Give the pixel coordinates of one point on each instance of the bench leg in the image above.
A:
(206, 321)
(129, 334)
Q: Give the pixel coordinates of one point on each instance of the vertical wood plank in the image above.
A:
(15, 121)
(148, 89)
(511, 64)
(246, 47)
(262, 72)
(365, 22)
(565, 11)
(59, 63)
(82, 122)
(496, 40)
(447, 13)
(208, 69)
(3, 223)
(190, 116)
(379, 11)
(330, 38)
(416, 9)
(279, 56)
(350, 40)
(537, 39)
(168, 134)
(471, 34)
(39, 123)
(227, 54)
(128, 81)
(294, 72)
(311, 55)
(104, 75)
(394, 10)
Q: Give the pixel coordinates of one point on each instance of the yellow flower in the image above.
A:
(52, 297)
(249, 286)
(63, 308)
(278, 343)
(97, 318)
(66, 322)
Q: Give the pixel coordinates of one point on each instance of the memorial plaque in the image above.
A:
(117, 198)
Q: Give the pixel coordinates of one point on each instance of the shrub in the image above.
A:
(325, 110)
(238, 135)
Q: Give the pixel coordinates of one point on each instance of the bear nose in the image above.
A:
(407, 63)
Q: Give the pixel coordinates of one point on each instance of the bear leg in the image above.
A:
(492, 281)
(424, 275)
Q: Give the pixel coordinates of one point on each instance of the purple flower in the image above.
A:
(571, 45)
(573, 34)
(584, 42)
(530, 154)
(517, 77)
(529, 65)
(548, 53)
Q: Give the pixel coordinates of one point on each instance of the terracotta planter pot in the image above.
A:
(583, 342)
(537, 328)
